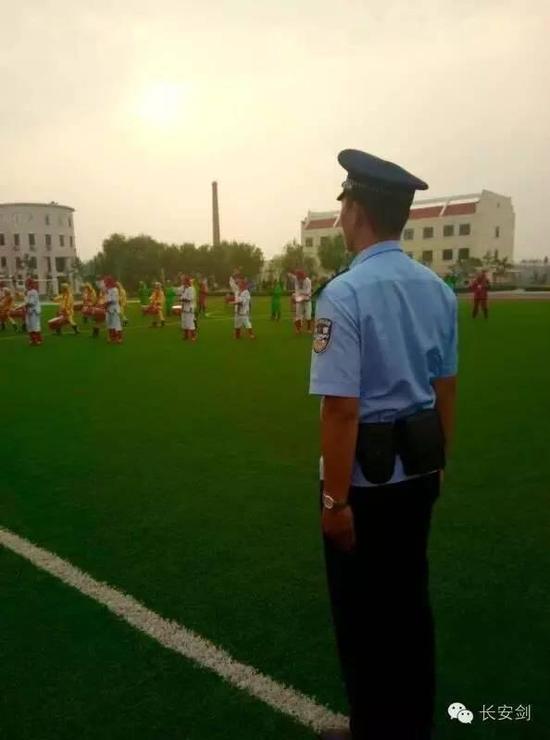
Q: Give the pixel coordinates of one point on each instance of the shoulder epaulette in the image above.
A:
(320, 289)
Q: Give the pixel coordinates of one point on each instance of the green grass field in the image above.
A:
(186, 476)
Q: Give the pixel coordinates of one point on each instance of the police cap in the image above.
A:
(367, 173)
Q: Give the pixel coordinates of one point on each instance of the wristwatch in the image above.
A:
(332, 505)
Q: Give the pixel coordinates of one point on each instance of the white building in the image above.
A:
(440, 231)
(318, 227)
(37, 239)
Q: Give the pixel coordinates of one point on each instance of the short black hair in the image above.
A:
(387, 212)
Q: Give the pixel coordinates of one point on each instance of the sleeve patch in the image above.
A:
(322, 335)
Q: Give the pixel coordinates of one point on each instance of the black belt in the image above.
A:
(418, 439)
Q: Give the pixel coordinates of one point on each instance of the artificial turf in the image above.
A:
(186, 476)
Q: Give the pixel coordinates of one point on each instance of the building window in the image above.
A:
(32, 240)
(16, 240)
(3, 262)
(47, 220)
(463, 254)
(449, 230)
(427, 256)
(70, 222)
(408, 235)
(71, 239)
(324, 241)
(60, 264)
(61, 240)
(32, 263)
(428, 232)
(18, 263)
(447, 255)
(2, 240)
(49, 241)
(309, 241)
(497, 232)
(49, 264)
(464, 230)
(496, 254)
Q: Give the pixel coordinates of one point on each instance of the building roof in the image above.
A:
(459, 209)
(323, 223)
(53, 204)
(426, 212)
(451, 205)
(321, 220)
(458, 205)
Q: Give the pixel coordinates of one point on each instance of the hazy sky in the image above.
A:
(128, 110)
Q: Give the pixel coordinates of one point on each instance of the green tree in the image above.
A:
(295, 258)
(463, 269)
(142, 258)
(333, 254)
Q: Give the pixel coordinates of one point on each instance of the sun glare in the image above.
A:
(161, 105)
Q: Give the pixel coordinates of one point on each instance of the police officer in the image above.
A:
(385, 362)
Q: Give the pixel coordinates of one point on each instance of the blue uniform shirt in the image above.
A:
(384, 330)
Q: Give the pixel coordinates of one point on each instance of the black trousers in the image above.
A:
(382, 614)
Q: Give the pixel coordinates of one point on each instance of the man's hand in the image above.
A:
(339, 527)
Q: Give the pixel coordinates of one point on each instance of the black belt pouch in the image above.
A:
(421, 442)
(375, 451)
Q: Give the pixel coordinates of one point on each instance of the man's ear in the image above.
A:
(356, 213)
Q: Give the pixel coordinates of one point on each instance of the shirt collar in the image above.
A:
(391, 245)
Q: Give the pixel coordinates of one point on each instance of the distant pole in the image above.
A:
(215, 215)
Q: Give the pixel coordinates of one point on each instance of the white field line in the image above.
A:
(178, 638)
(86, 329)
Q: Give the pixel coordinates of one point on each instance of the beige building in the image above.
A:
(37, 239)
(317, 227)
(440, 231)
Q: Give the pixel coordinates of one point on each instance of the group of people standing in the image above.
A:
(160, 304)
(166, 296)
(27, 308)
(106, 305)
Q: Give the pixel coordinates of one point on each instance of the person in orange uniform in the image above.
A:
(65, 314)
(480, 289)
(6, 305)
(203, 296)
(123, 302)
(89, 300)
(156, 305)
(99, 311)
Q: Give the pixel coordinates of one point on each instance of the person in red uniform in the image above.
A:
(480, 288)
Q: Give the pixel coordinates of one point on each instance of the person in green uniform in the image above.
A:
(450, 279)
(276, 301)
(170, 297)
(143, 293)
